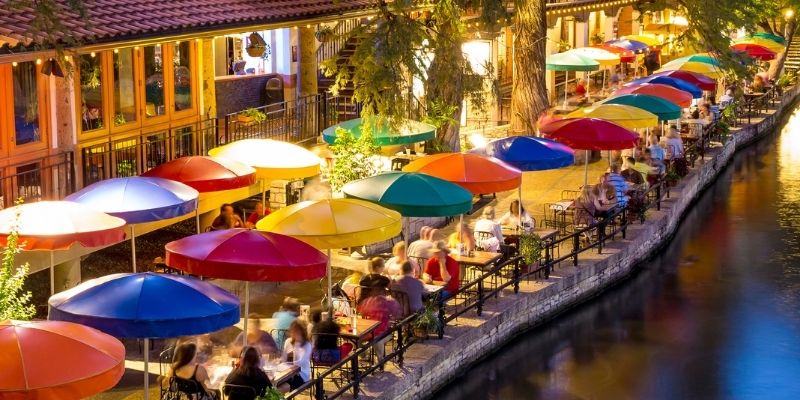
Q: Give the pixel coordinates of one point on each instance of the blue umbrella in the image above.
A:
(666, 80)
(627, 44)
(145, 306)
(138, 199)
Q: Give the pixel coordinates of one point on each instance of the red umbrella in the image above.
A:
(206, 174)
(57, 360)
(247, 255)
(590, 134)
(754, 51)
(677, 96)
(625, 56)
(699, 80)
(476, 173)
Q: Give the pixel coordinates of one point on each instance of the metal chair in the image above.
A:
(239, 391)
(183, 389)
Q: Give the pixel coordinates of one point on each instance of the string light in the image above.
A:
(14, 64)
(92, 54)
(38, 61)
(116, 51)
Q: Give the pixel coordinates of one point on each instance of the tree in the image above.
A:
(529, 94)
(353, 158)
(14, 300)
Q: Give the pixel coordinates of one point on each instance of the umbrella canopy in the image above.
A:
(412, 194)
(246, 255)
(775, 38)
(625, 116)
(695, 91)
(650, 41)
(709, 70)
(591, 134)
(383, 134)
(664, 109)
(664, 28)
(771, 45)
(679, 97)
(567, 61)
(699, 58)
(699, 80)
(529, 153)
(474, 172)
(634, 46)
(57, 225)
(205, 174)
(138, 199)
(334, 223)
(147, 305)
(272, 159)
(603, 57)
(754, 51)
(624, 55)
(57, 360)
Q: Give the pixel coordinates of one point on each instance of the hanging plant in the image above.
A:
(325, 34)
(256, 46)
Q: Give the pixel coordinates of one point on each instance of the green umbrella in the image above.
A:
(571, 61)
(664, 109)
(383, 134)
(769, 36)
(701, 58)
(412, 194)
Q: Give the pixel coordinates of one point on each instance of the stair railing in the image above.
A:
(341, 32)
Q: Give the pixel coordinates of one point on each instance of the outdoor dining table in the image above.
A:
(220, 366)
(364, 329)
(559, 209)
(543, 233)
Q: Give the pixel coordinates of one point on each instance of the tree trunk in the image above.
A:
(445, 85)
(529, 96)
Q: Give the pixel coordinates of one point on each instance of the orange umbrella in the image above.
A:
(57, 360)
(476, 173)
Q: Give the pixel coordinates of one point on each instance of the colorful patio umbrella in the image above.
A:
(700, 58)
(634, 46)
(590, 134)
(383, 134)
(334, 224)
(664, 109)
(146, 306)
(602, 56)
(623, 115)
(246, 255)
(412, 194)
(566, 62)
(205, 174)
(650, 41)
(624, 55)
(695, 91)
(679, 97)
(57, 360)
(272, 159)
(771, 45)
(775, 38)
(699, 80)
(138, 199)
(57, 225)
(754, 51)
(709, 70)
(476, 173)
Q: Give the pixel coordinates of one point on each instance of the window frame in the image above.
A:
(7, 114)
(137, 87)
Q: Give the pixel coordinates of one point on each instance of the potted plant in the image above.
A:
(325, 34)
(251, 115)
(272, 394)
(530, 248)
(597, 38)
(672, 177)
(428, 321)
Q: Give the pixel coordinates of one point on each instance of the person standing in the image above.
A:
(258, 212)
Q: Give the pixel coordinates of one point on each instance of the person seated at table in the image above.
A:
(420, 247)
(400, 256)
(630, 173)
(462, 236)
(580, 88)
(227, 218)
(606, 193)
(374, 282)
(616, 180)
(588, 208)
(512, 217)
(290, 310)
(256, 337)
(299, 347)
(657, 167)
(258, 212)
(758, 85)
(185, 366)
(673, 146)
(350, 284)
(325, 341)
(714, 108)
(726, 99)
(705, 114)
(486, 225)
(384, 309)
(411, 286)
(248, 373)
(442, 268)
(656, 151)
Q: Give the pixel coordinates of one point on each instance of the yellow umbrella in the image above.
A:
(623, 115)
(334, 223)
(646, 39)
(603, 57)
(708, 70)
(769, 44)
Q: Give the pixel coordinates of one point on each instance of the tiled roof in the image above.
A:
(117, 20)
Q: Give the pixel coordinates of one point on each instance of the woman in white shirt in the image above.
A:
(394, 265)
(512, 217)
(300, 347)
(673, 145)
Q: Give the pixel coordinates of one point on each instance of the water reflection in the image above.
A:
(714, 317)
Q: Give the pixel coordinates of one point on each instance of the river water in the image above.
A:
(715, 316)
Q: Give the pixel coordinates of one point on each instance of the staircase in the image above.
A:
(342, 47)
(792, 61)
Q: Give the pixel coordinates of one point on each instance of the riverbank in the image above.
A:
(431, 364)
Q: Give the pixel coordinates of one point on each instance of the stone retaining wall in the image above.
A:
(430, 369)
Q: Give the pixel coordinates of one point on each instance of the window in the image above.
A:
(154, 81)
(183, 76)
(91, 75)
(29, 182)
(124, 87)
(26, 103)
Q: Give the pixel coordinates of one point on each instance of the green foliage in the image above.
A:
(254, 115)
(530, 247)
(353, 158)
(428, 319)
(14, 300)
(272, 394)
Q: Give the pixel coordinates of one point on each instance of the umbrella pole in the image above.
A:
(460, 228)
(52, 275)
(566, 86)
(197, 219)
(133, 248)
(519, 196)
(263, 193)
(586, 168)
(588, 84)
(246, 311)
(146, 368)
(330, 284)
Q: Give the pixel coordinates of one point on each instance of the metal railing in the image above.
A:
(340, 35)
(49, 178)
(138, 154)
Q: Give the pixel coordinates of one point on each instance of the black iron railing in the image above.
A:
(49, 178)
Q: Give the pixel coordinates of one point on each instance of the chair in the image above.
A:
(481, 237)
(239, 391)
(182, 389)
(402, 298)
(399, 162)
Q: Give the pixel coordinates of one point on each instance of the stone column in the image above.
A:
(206, 74)
(610, 23)
(307, 62)
(551, 47)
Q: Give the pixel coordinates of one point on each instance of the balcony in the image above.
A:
(49, 178)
